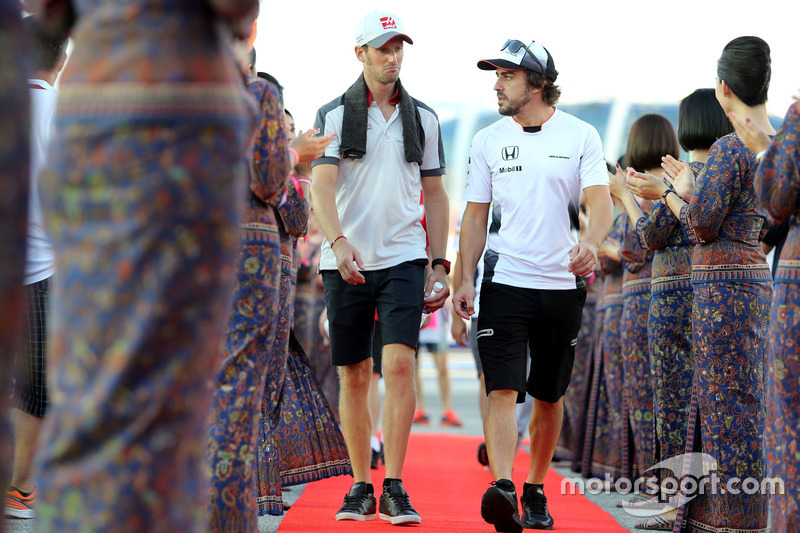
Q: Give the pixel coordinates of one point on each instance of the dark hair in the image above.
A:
(253, 58)
(273, 80)
(651, 138)
(701, 120)
(48, 46)
(550, 91)
(746, 67)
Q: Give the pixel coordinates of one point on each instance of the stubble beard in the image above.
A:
(513, 107)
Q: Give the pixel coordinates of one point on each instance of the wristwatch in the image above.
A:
(444, 262)
(669, 190)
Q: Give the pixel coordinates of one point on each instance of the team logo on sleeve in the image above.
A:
(510, 152)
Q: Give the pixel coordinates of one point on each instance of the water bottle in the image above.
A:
(425, 311)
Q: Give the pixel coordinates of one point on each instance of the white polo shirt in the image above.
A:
(534, 177)
(40, 258)
(377, 196)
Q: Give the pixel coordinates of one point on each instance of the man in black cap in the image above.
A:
(534, 164)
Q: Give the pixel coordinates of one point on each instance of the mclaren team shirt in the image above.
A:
(536, 176)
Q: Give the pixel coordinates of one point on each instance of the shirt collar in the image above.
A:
(394, 100)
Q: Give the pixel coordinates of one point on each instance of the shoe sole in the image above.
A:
(527, 525)
(405, 519)
(496, 509)
(20, 513)
(354, 517)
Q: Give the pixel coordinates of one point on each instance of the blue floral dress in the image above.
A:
(777, 184)
(605, 441)
(143, 199)
(669, 326)
(732, 291)
(241, 376)
(637, 262)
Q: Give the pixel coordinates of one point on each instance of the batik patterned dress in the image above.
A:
(637, 263)
(570, 441)
(14, 174)
(732, 291)
(309, 303)
(669, 327)
(143, 197)
(239, 394)
(777, 183)
(605, 443)
(299, 439)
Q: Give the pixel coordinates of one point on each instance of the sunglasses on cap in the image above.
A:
(514, 45)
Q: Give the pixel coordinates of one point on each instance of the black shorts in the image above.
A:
(396, 292)
(511, 320)
(31, 390)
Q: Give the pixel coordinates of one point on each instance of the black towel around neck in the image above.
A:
(354, 123)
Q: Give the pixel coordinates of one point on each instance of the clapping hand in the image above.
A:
(680, 175)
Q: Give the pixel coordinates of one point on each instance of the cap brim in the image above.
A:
(386, 37)
(494, 64)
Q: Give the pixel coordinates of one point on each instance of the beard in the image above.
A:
(381, 76)
(512, 107)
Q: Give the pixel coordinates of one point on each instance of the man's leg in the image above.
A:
(545, 427)
(398, 405)
(355, 413)
(26, 434)
(500, 429)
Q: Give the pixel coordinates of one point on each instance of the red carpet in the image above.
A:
(445, 483)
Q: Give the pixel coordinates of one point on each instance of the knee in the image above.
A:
(357, 376)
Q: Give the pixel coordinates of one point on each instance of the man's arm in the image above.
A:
(601, 215)
(323, 199)
(437, 217)
(471, 245)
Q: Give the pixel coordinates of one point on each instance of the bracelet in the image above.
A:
(337, 238)
(304, 180)
(760, 154)
(669, 190)
(296, 157)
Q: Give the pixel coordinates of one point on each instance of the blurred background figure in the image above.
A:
(143, 196)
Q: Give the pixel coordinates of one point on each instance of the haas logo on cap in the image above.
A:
(388, 23)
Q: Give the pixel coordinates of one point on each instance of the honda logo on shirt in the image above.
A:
(510, 152)
(388, 23)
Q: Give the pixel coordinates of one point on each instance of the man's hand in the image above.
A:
(464, 301)
(459, 332)
(434, 302)
(308, 147)
(348, 261)
(583, 258)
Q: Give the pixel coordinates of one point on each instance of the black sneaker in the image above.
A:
(499, 507)
(395, 506)
(534, 509)
(359, 503)
(377, 457)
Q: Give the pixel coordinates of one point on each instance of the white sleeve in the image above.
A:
(593, 169)
(479, 176)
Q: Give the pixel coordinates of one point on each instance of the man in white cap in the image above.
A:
(534, 163)
(387, 149)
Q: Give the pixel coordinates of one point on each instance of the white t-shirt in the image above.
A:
(377, 196)
(40, 258)
(535, 178)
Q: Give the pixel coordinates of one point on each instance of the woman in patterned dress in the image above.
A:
(777, 184)
(299, 439)
(701, 121)
(142, 197)
(239, 390)
(732, 287)
(651, 137)
(605, 437)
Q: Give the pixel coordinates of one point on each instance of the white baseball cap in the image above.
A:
(378, 27)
